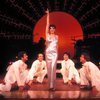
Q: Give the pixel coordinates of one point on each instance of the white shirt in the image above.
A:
(70, 66)
(93, 72)
(15, 72)
(36, 67)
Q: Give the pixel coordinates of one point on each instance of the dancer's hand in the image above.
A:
(94, 90)
(30, 82)
(69, 83)
(21, 88)
(47, 11)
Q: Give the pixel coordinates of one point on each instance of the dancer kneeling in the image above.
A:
(68, 70)
(17, 72)
(38, 70)
(89, 74)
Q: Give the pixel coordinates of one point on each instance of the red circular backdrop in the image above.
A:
(67, 28)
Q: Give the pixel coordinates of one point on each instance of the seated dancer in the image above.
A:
(68, 70)
(89, 74)
(16, 73)
(38, 70)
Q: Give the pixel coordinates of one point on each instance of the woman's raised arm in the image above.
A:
(47, 23)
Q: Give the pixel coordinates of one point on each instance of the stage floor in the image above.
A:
(40, 91)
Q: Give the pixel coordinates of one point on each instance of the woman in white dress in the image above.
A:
(51, 52)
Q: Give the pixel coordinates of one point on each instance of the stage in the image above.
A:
(40, 92)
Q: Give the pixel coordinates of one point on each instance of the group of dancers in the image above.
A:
(88, 77)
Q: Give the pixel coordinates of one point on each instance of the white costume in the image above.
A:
(17, 72)
(39, 70)
(69, 71)
(90, 74)
(51, 59)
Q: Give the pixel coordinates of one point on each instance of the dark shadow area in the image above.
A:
(10, 48)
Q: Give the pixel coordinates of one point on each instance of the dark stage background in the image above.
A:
(19, 17)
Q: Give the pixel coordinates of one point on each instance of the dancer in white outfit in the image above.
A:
(51, 52)
(17, 72)
(89, 74)
(38, 69)
(68, 70)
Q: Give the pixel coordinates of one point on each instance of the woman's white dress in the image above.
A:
(51, 59)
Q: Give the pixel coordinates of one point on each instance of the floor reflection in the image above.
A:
(14, 94)
(50, 94)
(41, 91)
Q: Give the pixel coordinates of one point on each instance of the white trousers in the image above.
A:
(87, 78)
(40, 75)
(65, 75)
(11, 79)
